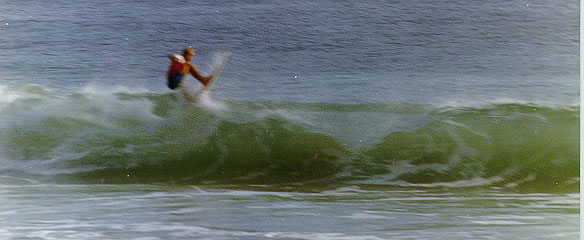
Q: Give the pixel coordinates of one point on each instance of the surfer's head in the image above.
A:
(188, 53)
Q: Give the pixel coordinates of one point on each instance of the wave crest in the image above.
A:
(149, 137)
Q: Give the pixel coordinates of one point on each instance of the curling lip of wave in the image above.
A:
(152, 138)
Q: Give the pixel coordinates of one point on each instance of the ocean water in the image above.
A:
(331, 120)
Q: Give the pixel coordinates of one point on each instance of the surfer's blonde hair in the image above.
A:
(188, 51)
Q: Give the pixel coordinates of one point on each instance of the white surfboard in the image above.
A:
(223, 60)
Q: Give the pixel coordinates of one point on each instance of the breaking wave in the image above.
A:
(124, 136)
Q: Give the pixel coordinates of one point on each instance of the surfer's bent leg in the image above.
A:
(187, 95)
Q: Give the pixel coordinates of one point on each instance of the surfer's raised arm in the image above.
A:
(188, 54)
(193, 71)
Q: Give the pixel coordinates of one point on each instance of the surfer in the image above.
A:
(179, 68)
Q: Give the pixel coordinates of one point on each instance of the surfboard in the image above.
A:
(223, 60)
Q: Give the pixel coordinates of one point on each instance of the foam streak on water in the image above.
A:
(185, 213)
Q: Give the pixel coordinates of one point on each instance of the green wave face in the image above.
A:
(125, 137)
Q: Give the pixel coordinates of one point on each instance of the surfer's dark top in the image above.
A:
(175, 75)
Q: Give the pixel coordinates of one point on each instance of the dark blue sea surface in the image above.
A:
(331, 51)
